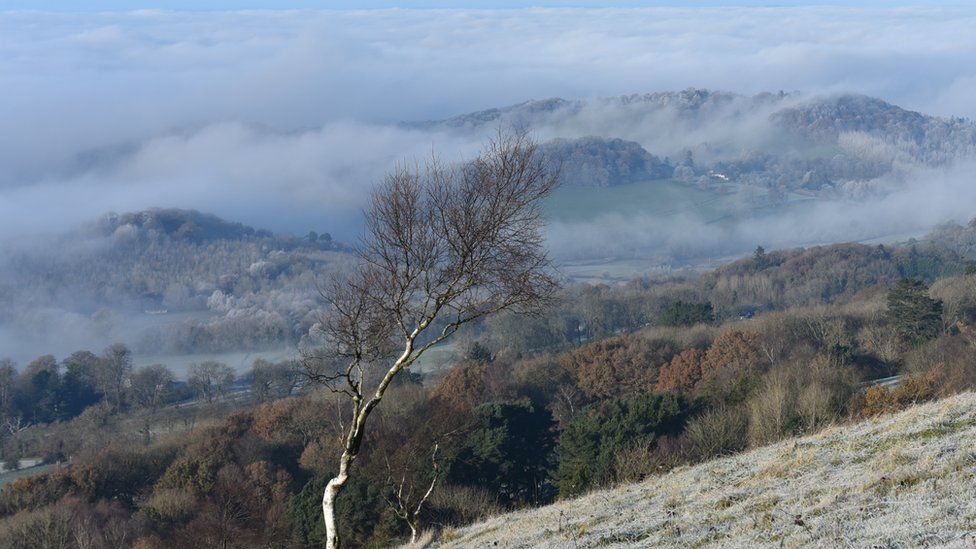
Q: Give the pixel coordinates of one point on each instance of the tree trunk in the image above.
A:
(328, 509)
(328, 506)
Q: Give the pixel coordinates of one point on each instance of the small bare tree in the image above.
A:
(406, 502)
(209, 379)
(445, 246)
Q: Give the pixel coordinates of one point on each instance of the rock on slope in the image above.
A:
(904, 480)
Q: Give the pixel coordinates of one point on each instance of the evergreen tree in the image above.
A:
(79, 382)
(685, 313)
(759, 257)
(40, 388)
(590, 443)
(916, 316)
(507, 447)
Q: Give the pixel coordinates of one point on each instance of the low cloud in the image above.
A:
(281, 119)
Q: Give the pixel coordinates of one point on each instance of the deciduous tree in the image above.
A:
(113, 371)
(445, 246)
(210, 379)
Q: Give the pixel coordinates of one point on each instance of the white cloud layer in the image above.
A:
(275, 118)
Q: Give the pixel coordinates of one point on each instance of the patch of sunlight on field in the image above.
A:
(10, 476)
(437, 358)
(661, 198)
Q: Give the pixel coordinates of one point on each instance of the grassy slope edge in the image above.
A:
(906, 479)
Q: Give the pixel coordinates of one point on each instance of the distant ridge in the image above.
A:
(830, 145)
(189, 225)
(196, 227)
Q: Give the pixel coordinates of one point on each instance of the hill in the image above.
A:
(179, 282)
(901, 480)
(163, 281)
(601, 162)
(179, 224)
(785, 141)
(926, 138)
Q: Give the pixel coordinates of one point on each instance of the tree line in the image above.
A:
(507, 428)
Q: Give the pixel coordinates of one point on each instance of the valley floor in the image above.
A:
(902, 480)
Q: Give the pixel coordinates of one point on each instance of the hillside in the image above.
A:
(928, 138)
(900, 480)
(610, 383)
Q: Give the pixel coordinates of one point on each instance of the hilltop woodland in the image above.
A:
(609, 385)
(209, 284)
(841, 145)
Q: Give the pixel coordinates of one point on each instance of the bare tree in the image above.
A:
(406, 502)
(271, 380)
(210, 379)
(445, 246)
(148, 388)
(113, 372)
(149, 385)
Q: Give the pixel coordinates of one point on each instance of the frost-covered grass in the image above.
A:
(904, 480)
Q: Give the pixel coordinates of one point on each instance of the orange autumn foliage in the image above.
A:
(617, 366)
(683, 373)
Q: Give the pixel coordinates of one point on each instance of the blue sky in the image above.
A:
(99, 5)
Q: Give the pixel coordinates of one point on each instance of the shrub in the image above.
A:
(170, 507)
(34, 492)
(364, 514)
(721, 430)
(305, 512)
(816, 406)
(456, 505)
(116, 474)
(879, 400)
(730, 368)
(474, 382)
(196, 473)
(771, 410)
(294, 421)
(48, 527)
(946, 362)
(636, 461)
(873, 401)
(733, 350)
(103, 524)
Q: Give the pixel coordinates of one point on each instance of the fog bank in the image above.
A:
(280, 119)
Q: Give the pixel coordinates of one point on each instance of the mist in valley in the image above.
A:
(552, 252)
(284, 121)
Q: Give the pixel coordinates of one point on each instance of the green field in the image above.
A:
(437, 358)
(675, 205)
(10, 476)
(661, 198)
